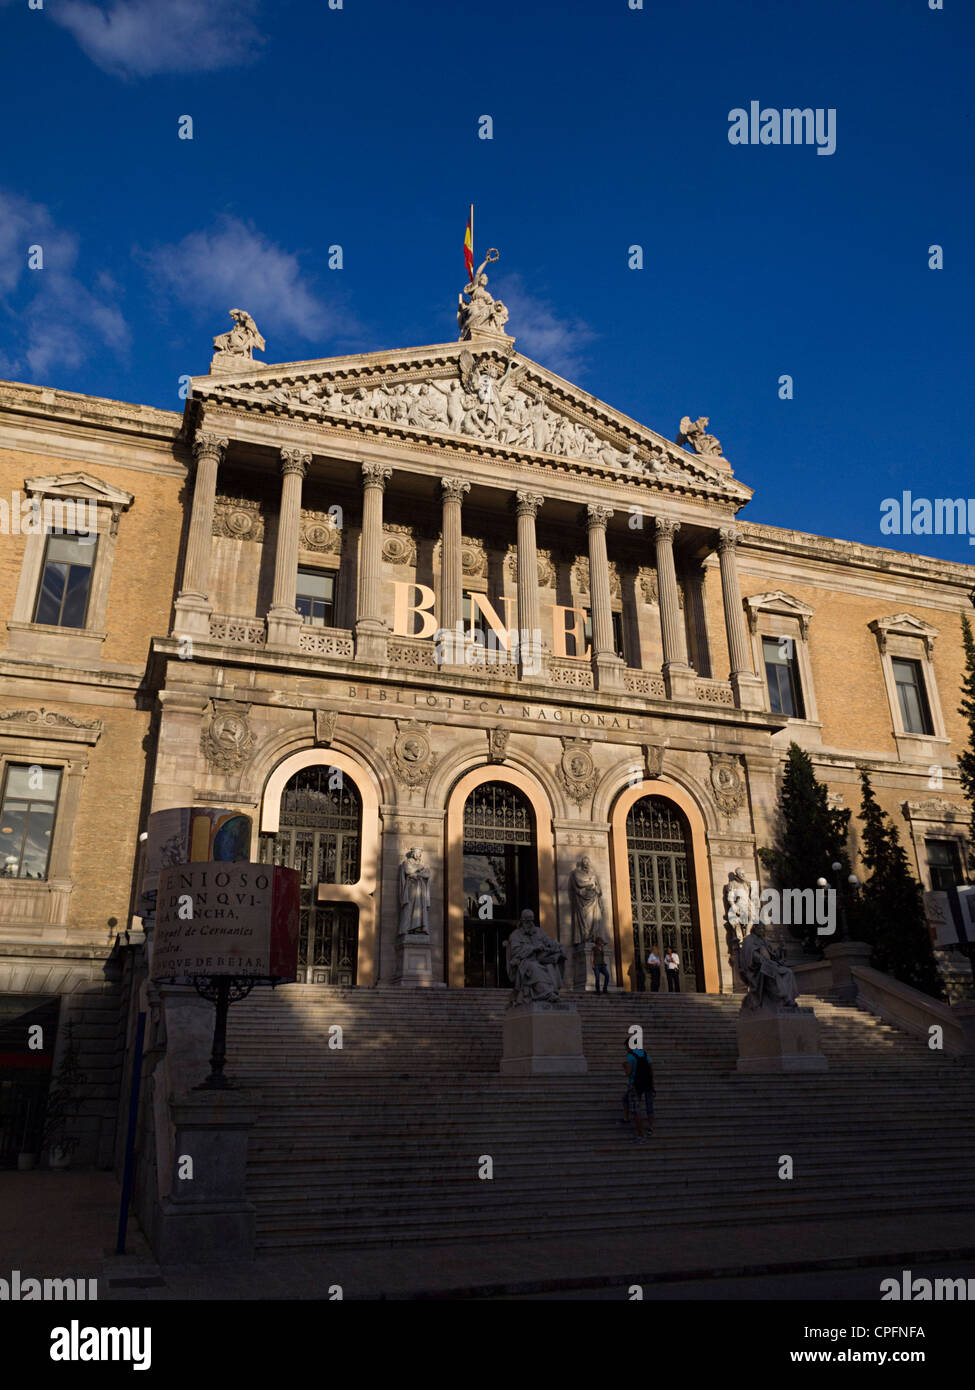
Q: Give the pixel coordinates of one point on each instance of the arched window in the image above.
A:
(319, 834)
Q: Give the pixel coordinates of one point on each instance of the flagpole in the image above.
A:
(473, 257)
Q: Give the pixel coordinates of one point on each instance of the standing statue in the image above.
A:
(587, 901)
(695, 432)
(481, 312)
(535, 963)
(771, 985)
(238, 345)
(414, 895)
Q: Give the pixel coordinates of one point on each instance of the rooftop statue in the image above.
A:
(238, 345)
(694, 432)
(480, 312)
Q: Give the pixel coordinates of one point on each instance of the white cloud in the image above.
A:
(553, 341)
(56, 319)
(234, 266)
(139, 38)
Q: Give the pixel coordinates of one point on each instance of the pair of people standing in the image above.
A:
(672, 967)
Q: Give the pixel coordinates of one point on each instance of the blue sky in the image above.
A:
(358, 127)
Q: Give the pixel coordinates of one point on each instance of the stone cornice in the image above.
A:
(853, 555)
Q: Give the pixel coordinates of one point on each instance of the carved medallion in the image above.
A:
(727, 782)
(577, 771)
(319, 532)
(227, 740)
(240, 518)
(399, 547)
(546, 569)
(411, 756)
(473, 557)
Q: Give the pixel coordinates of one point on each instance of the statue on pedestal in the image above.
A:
(535, 963)
(237, 346)
(414, 895)
(587, 901)
(481, 312)
(771, 985)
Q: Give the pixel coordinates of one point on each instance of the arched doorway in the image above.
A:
(669, 857)
(500, 877)
(319, 833)
(661, 898)
(492, 826)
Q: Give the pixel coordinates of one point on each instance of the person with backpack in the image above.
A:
(639, 1092)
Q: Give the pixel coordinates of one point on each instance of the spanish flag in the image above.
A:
(469, 246)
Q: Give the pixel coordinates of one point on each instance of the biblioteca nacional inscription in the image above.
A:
(507, 709)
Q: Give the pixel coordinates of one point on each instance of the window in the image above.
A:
(911, 696)
(617, 633)
(782, 674)
(944, 864)
(30, 798)
(62, 598)
(315, 599)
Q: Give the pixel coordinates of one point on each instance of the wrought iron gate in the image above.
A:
(319, 835)
(500, 878)
(660, 891)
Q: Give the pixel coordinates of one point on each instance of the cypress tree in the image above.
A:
(812, 838)
(892, 906)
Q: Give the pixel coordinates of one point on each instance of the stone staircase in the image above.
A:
(379, 1143)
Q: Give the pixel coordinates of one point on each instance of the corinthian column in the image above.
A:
(607, 666)
(530, 654)
(678, 673)
(746, 686)
(283, 622)
(451, 567)
(193, 606)
(370, 629)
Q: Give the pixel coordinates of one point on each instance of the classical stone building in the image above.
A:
(436, 598)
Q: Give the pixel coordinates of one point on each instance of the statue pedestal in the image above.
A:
(542, 1040)
(779, 1040)
(582, 976)
(414, 962)
(843, 956)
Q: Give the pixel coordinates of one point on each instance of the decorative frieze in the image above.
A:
(325, 641)
(237, 632)
(45, 723)
(643, 683)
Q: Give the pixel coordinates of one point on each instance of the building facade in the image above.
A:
(440, 600)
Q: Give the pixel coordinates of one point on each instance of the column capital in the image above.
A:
(598, 516)
(528, 503)
(666, 528)
(207, 445)
(376, 475)
(453, 489)
(295, 461)
(728, 537)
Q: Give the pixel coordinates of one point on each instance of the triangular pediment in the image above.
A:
(77, 486)
(476, 396)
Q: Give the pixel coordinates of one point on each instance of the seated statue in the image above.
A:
(771, 985)
(535, 963)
